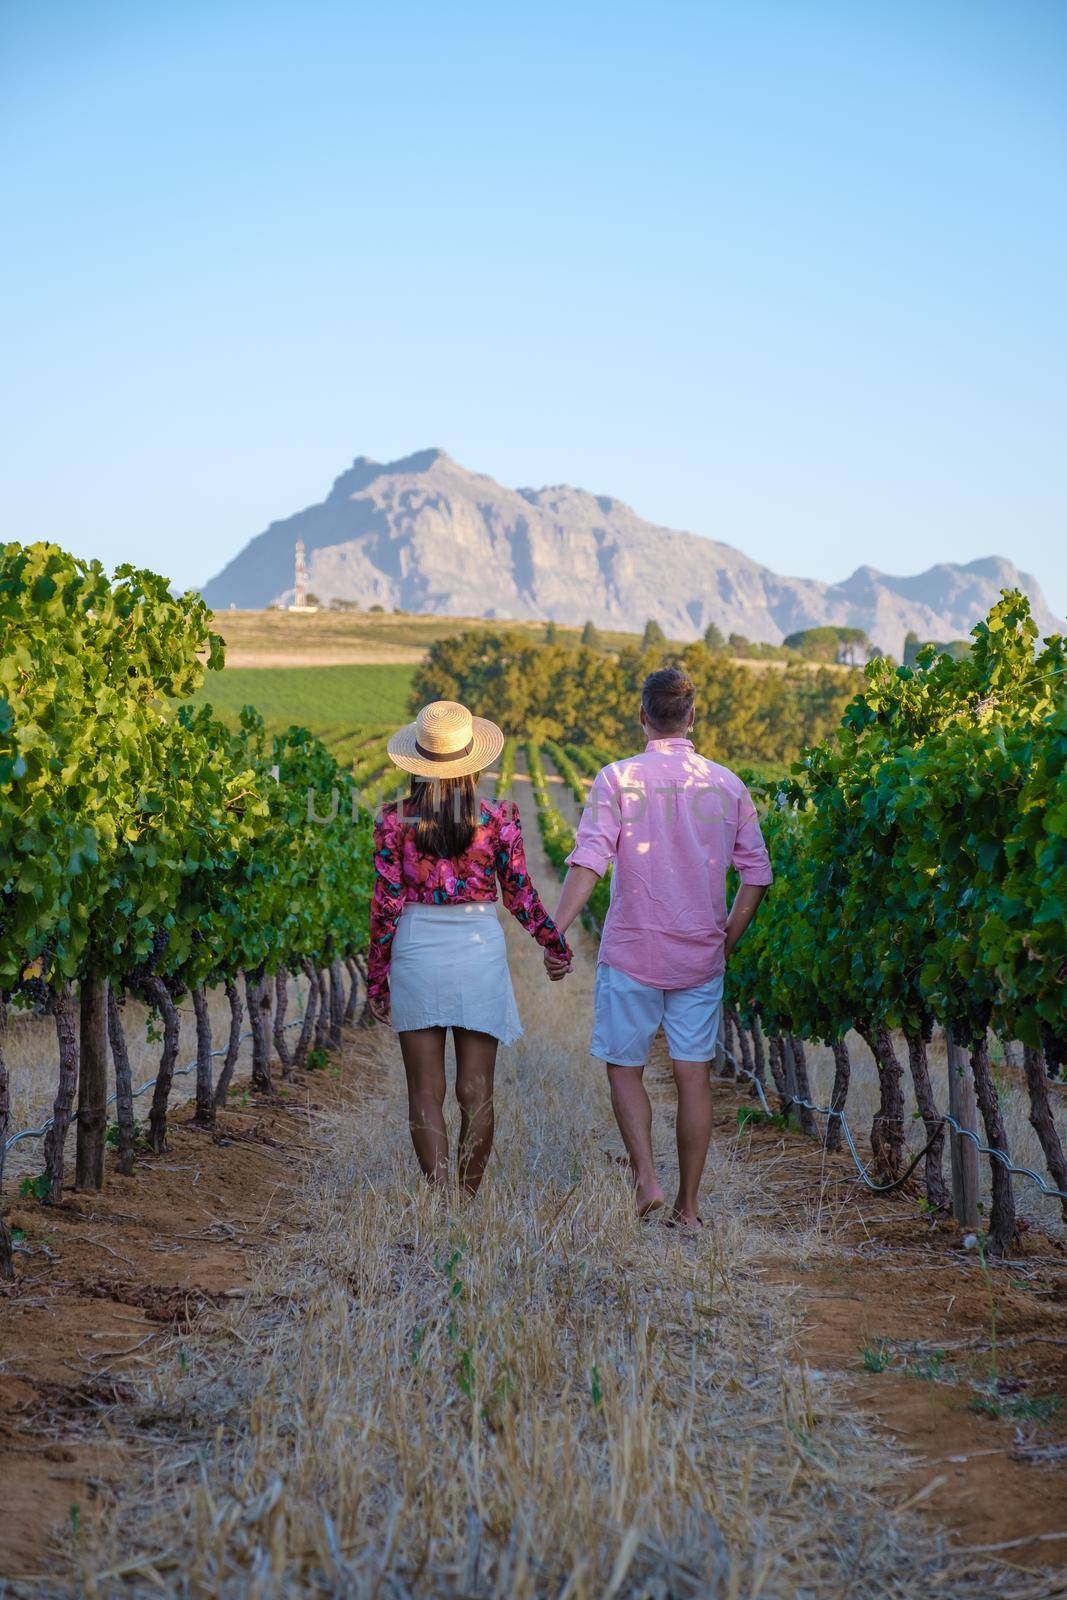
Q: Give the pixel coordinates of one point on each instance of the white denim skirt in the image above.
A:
(449, 969)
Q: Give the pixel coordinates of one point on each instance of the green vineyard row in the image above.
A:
(920, 860)
(154, 851)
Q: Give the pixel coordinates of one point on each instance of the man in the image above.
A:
(672, 823)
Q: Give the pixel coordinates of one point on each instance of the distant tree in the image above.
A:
(591, 635)
(337, 604)
(653, 636)
(847, 646)
(739, 645)
(551, 633)
(714, 637)
(375, 608)
(912, 646)
(312, 600)
(853, 646)
(564, 692)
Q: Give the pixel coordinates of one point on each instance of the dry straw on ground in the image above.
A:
(533, 1395)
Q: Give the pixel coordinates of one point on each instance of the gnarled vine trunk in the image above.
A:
(725, 1055)
(366, 1016)
(744, 1047)
(62, 1006)
(744, 1051)
(257, 997)
(759, 1054)
(839, 1092)
(159, 994)
(352, 1003)
(205, 1089)
(800, 1059)
(233, 1043)
(887, 1129)
(7, 1266)
(337, 1003)
(92, 1084)
(311, 1008)
(1042, 1121)
(774, 1051)
(322, 1022)
(120, 1055)
(1002, 1212)
(937, 1194)
(281, 1006)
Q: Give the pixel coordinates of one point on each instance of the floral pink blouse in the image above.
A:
(401, 874)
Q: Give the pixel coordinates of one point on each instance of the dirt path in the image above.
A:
(559, 793)
(965, 1367)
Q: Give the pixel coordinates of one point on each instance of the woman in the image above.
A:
(437, 956)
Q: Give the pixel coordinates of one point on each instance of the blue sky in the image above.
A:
(787, 274)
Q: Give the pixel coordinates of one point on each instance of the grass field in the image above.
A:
(328, 697)
(265, 639)
(269, 636)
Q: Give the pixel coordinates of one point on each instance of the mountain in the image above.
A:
(425, 535)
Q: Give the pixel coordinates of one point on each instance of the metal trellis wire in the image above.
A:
(179, 1072)
(886, 1188)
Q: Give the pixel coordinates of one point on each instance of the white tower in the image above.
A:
(300, 582)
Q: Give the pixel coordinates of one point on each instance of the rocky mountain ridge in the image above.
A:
(426, 535)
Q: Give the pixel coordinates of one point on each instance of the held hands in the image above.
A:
(556, 965)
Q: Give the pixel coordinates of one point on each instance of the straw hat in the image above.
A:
(445, 741)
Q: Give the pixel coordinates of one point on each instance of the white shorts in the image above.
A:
(627, 1015)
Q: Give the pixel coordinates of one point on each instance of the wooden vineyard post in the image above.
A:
(963, 1152)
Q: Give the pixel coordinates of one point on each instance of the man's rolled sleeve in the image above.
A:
(598, 831)
(750, 856)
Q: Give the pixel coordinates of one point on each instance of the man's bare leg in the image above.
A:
(633, 1113)
(693, 1082)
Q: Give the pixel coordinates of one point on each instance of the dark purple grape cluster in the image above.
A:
(982, 1012)
(143, 970)
(1055, 1047)
(34, 985)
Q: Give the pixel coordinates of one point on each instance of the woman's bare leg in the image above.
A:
(475, 1065)
(423, 1050)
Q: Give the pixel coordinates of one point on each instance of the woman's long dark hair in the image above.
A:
(445, 812)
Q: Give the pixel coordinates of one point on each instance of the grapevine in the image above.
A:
(152, 849)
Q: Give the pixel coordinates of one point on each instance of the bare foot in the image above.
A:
(649, 1198)
(684, 1219)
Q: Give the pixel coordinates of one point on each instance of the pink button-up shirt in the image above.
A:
(672, 822)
